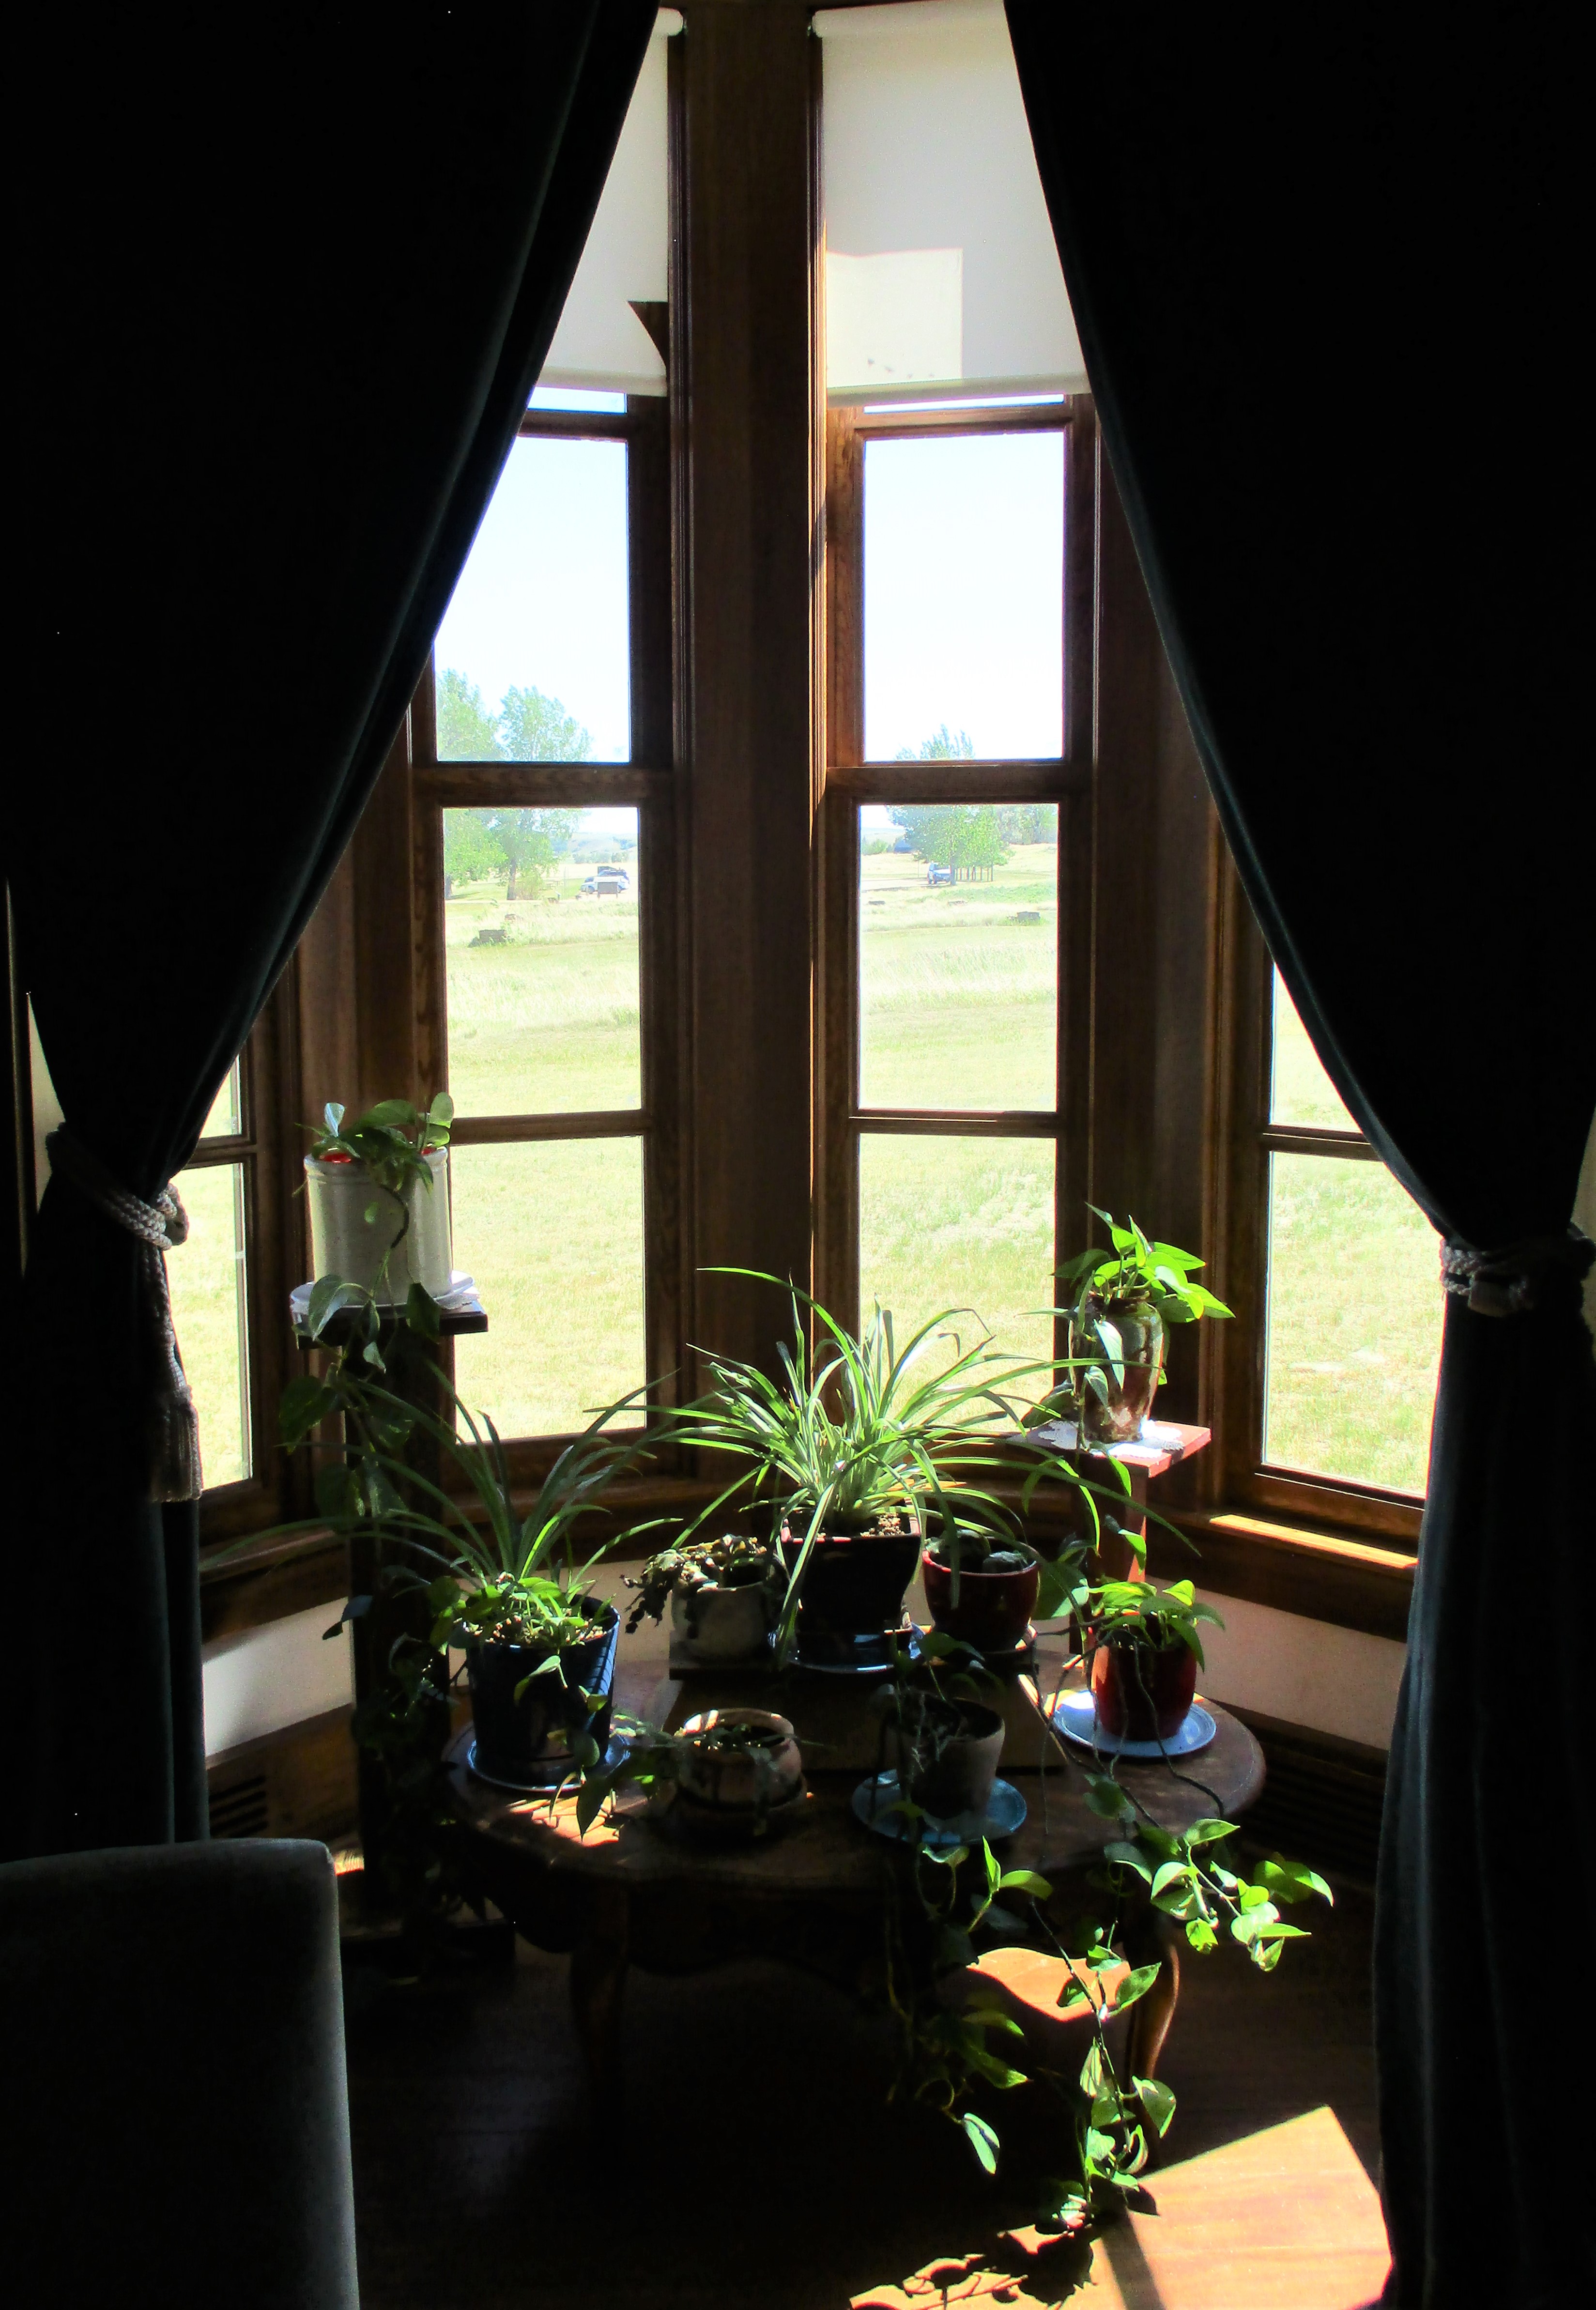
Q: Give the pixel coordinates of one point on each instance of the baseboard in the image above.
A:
(1322, 1800)
(299, 1782)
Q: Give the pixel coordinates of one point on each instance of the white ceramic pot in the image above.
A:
(346, 1242)
(725, 1624)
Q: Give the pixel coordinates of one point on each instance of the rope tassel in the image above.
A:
(171, 1423)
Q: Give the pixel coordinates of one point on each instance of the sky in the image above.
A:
(963, 591)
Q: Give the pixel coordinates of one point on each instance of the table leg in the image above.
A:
(598, 1985)
(1153, 1939)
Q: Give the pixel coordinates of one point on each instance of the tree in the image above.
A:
(471, 849)
(943, 746)
(964, 835)
(538, 729)
(466, 731)
(528, 840)
(1029, 822)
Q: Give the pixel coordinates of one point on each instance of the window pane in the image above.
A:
(541, 945)
(225, 1120)
(1354, 1323)
(210, 1312)
(959, 1222)
(964, 612)
(959, 977)
(1299, 1090)
(554, 1235)
(532, 654)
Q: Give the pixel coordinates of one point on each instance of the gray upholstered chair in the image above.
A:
(171, 2039)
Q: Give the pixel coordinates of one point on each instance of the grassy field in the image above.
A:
(957, 1011)
(206, 1276)
(957, 985)
(546, 1023)
(1355, 1303)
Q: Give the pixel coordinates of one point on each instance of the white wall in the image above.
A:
(1304, 1671)
(263, 1678)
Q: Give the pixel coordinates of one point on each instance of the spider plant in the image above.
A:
(496, 1576)
(857, 1430)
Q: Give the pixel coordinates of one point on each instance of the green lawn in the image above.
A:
(205, 1277)
(957, 1012)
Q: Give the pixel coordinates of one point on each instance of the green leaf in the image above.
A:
(338, 1492)
(1201, 1933)
(422, 1312)
(1136, 1983)
(1209, 1832)
(305, 1402)
(1292, 1881)
(1025, 1880)
(1156, 2099)
(983, 2140)
(1128, 1856)
(1107, 1799)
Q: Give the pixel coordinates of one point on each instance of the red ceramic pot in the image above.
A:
(993, 1611)
(1143, 1695)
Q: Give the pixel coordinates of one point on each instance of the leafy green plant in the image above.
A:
(734, 1560)
(1134, 1611)
(861, 1430)
(391, 1141)
(1137, 1270)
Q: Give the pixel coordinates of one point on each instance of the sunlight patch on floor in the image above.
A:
(1283, 2219)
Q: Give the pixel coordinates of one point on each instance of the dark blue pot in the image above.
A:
(515, 1737)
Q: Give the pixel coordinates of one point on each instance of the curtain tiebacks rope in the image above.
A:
(172, 1422)
(1514, 1280)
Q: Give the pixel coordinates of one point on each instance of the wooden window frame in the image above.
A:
(1066, 779)
(1251, 1483)
(647, 783)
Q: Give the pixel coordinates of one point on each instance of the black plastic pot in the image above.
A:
(855, 1583)
(515, 1737)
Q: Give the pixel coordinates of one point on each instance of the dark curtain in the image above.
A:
(288, 282)
(1322, 264)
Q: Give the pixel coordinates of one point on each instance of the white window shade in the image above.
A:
(942, 278)
(600, 346)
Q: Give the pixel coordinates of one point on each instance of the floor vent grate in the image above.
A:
(239, 1811)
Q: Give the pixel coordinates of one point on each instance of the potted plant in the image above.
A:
(1143, 1653)
(1122, 1301)
(504, 1587)
(378, 1194)
(939, 1735)
(728, 1774)
(724, 1595)
(982, 1586)
(849, 1452)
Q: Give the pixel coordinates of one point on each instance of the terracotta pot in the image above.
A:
(517, 1738)
(855, 1583)
(1140, 1328)
(725, 1624)
(994, 1609)
(951, 1773)
(735, 1778)
(1153, 1708)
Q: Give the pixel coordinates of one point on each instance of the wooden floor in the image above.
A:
(756, 2167)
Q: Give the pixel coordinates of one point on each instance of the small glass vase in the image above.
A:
(1115, 1415)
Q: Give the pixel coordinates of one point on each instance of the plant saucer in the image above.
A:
(713, 1824)
(553, 1774)
(869, 1655)
(1075, 1716)
(875, 1801)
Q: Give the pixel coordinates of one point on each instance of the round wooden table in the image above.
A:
(638, 1890)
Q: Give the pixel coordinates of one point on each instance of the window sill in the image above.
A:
(1319, 1576)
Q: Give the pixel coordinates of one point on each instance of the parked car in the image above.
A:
(609, 882)
(935, 874)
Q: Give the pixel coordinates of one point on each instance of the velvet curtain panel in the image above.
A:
(1321, 266)
(285, 296)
